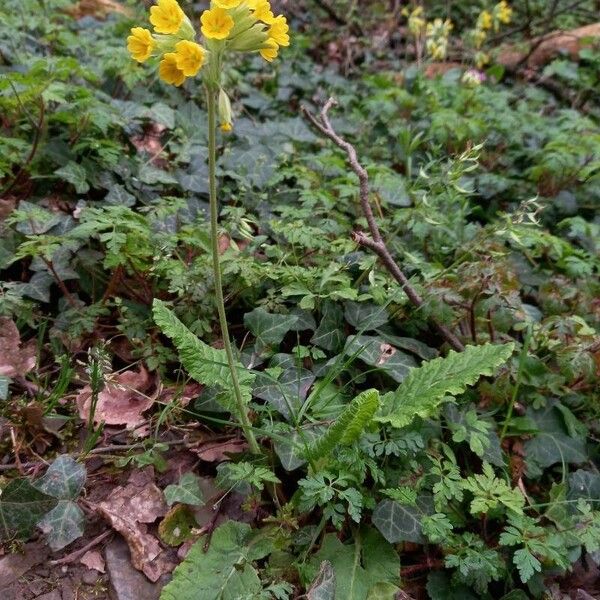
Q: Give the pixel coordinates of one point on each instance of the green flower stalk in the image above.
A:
(227, 26)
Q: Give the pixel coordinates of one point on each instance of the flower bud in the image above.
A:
(225, 115)
(251, 40)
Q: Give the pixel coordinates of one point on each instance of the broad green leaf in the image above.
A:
(289, 445)
(365, 317)
(21, 507)
(268, 328)
(584, 484)
(225, 571)
(76, 175)
(384, 591)
(323, 587)
(359, 566)
(205, 364)
(552, 444)
(427, 387)
(398, 523)
(64, 479)
(441, 586)
(330, 334)
(187, 491)
(63, 524)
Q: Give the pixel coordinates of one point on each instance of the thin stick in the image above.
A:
(73, 556)
(375, 241)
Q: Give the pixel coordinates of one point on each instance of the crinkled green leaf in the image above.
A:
(426, 388)
(225, 571)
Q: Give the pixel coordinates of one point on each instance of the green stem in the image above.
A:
(214, 234)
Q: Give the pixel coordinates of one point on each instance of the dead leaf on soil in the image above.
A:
(219, 451)
(16, 359)
(129, 510)
(122, 402)
(182, 396)
(97, 8)
(92, 559)
(150, 142)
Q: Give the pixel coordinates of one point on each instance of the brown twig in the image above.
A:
(375, 241)
(77, 554)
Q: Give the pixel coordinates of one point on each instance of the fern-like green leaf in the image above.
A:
(425, 389)
(204, 363)
(349, 425)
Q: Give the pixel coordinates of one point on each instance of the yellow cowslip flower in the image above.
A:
(227, 3)
(262, 11)
(485, 20)
(226, 127)
(167, 16)
(216, 24)
(140, 44)
(479, 37)
(416, 21)
(270, 51)
(189, 57)
(168, 70)
(504, 12)
(278, 31)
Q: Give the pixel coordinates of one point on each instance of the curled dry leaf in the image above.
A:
(92, 559)
(122, 401)
(219, 451)
(128, 510)
(16, 359)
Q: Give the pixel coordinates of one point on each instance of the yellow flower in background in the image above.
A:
(271, 50)
(216, 24)
(226, 127)
(169, 71)
(189, 57)
(503, 12)
(485, 20)
(262, 11)
(227, 3)
(140, 44)
(167, 16)
(278, 31)
(416, 21)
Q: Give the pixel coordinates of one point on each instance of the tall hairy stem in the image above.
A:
(211, 97)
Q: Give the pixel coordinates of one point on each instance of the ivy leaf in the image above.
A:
(225, 571)
(377, 353)
(63, 524)
(329, 334)
(364, 316)
(64, 479)
(398, 523)
(584, 484)
(323, 587)
(426, 388)
(268, 328)
(359, 566)
(187, 491)
(76, 175)
(21, 507)
(552, 444)
(177, 526)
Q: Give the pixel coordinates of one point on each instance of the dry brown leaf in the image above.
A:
(92, 559)
(97, 8)
(219, 451)
(129, 510)
(182, 396)
(16, 359)
(123, 400)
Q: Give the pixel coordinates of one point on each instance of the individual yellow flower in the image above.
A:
(270, 51)
(262, 10)
(479, 37)
(189, 57)
(140, 44)
(278, 31)
(504, 12)
(216, 24)
(167, 16)
(227, 3)
(485, 20)
(169, 71)
(416, 22)
(226, 127)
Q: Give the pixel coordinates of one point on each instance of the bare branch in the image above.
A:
(375, 241)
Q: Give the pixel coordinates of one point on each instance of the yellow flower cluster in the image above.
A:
(501, 15)
(437, 35)
(239, 25)
(228, 25)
